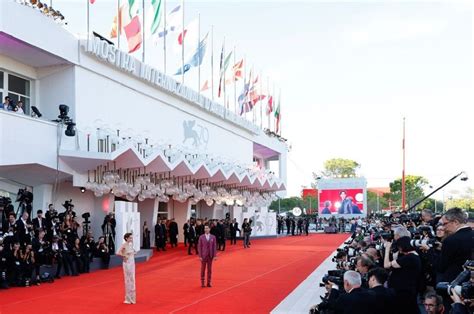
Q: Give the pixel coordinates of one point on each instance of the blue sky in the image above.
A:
(348, 72)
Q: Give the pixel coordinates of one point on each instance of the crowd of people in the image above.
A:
(167, 230)
(406, 263)
(294, 225)
(10, 105)
(51, 240)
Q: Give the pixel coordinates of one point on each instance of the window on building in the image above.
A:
(163, 210)
(19, 89)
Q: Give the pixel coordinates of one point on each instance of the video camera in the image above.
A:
(462, 285)
(334, 276)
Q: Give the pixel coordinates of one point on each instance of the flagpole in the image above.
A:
(403, 169)
(212, 62)
(279, 115)
(143, 31)
(164, 36)
(235, 86)
(119, 24)
(182, 46)
(270, 95)
(245, 77)
(223, 75)
(261, 101)
(199, 53)
(88, 22)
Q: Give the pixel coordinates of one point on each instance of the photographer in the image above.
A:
(87, 248)
(384, 297)
(428, 219)
(3, 267)
(356, 299)
(363, 265)
(461, 305)
(42, 250)
(458, 245)
(102, 251)
(405, 274)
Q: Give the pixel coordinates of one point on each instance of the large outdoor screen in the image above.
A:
(341, 202)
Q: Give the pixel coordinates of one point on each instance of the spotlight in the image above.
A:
(36, 112)
(83, 189)
(464, 177)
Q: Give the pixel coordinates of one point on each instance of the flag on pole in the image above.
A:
(277, 117)
(131, 11)
(173, 22)
(205, 86)
(156, 16)
(92, 1)
(220, 70)
(236, 72)
(119, 21)
(223, 69)
(133, 32)
(196, 59)
(190, 34)
(269, 105)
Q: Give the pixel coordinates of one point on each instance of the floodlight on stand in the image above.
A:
(70, 129)
(36, 113)
(63, 111)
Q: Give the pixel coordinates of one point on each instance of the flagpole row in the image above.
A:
(182, 47)
(212, 62)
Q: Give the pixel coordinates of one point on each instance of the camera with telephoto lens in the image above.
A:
(462, 284)
(335, 276)
(432, 242)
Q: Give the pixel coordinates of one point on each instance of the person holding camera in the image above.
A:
(247, 229)
(405, 274)
(356, 299)
(457, 246)
(102, 251)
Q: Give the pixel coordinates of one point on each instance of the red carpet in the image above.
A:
(253, 280)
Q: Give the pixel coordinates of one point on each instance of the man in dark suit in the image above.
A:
(234, 227)
(192, 238)
(24, 228)
(159, 236)
(457, 247)
(185, 232)
(384, 297)
(356, 300)
(221, 236)
(207, 247)
(288, 225)
(164, 232)
(39, 222)
(173, 231)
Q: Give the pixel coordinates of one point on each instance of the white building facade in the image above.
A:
(141, 137)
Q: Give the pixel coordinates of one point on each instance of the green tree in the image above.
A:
(287, 204)
(375, 203)
(413, 188)
(430, 204)
(464, 203)
(337, 168)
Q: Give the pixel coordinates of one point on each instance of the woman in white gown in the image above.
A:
(128, 254)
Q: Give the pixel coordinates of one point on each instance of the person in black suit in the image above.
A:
(39, 222)
(457, 246)
(221, 236)
(384, 297)
(356, 299)
(234, 227)
(10, 224)
(159, 237)
(185, 232)
(405, 276)
(173, 231)
(346, 204)
(24, 229)
(288, 225)
(192, 238)
(293, 226)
